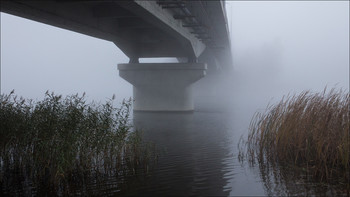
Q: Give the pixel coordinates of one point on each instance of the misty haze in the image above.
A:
(191, 127)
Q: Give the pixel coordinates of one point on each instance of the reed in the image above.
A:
(52, 140)
(309, 130)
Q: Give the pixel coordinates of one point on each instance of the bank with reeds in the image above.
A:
(309, 131)
(57, 140)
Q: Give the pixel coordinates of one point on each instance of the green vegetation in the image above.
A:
(56, 140)
(307, 132)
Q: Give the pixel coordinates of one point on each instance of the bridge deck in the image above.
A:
(163, 28)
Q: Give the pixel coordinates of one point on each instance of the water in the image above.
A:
(194, 153)
(197, 156)
(198, 153)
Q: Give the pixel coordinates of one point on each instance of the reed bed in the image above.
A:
(309, 131)
(58, 139)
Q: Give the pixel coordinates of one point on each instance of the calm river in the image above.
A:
(198, 154)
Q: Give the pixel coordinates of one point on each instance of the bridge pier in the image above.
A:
(162, 86)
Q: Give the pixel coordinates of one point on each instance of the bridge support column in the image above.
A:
(162, 86)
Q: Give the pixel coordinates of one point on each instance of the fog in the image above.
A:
(282, 47)
(277, 47)
(303, 45)
(36, 57)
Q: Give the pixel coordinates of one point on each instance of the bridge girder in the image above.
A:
(163, 28)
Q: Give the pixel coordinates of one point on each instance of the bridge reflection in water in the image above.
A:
(194, 152)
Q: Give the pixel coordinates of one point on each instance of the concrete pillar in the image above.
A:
(162, 86)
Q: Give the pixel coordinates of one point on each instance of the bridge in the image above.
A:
(195, 32)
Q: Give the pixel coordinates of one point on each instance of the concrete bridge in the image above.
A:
(195, 32)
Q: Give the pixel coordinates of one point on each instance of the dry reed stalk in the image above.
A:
(57, 137)
(309, 130)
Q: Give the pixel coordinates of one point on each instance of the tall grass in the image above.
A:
(51, 140)
(309, 130)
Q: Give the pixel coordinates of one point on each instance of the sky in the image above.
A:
(303, 43)
(279, 46)
(286, 47)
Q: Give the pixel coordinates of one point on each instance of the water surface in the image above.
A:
(197, 153)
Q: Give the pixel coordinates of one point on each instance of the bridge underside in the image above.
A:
(195, 32)
(141, 29)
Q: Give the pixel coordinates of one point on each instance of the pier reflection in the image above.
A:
(194, 153)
